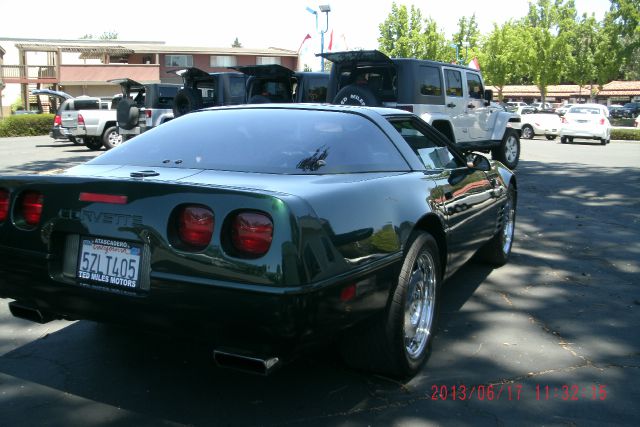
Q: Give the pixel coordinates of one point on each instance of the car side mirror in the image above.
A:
(478, 162)
(488, 95)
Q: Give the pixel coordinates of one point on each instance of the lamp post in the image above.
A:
(326, 9)
(457, 48)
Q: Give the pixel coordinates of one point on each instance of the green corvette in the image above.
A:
(262, 229)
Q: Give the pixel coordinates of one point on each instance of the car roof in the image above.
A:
(367, 111)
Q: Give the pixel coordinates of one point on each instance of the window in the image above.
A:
(267, 141)
(474, 85)
(454, 82)
(178, 60)
(316, 91)
(268, 60)
(433, 155)
(430, 83)
(222, 61)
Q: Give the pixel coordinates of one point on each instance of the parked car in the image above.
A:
(542, 107)
(202, 90)
(586, 121)
(68, 113)
(451, 98)
(616, 111)
(262, 229)
(252, 84)
(513, 105)
(56, 129)
(631, 109)
(563, 109)
(142, 107)
(536, 122)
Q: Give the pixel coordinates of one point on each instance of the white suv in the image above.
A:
(449, 97)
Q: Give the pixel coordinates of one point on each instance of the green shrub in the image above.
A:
(26, 125)
(618, 121)
(626, 134)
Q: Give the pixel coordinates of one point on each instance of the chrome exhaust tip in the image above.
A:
(245, 363)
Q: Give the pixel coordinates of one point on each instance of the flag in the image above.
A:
(474, 64)
(330, 41)
(307, 37)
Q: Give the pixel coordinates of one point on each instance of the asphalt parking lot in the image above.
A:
(549, 339)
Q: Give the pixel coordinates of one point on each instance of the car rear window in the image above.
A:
(265, 140)
(584, 110)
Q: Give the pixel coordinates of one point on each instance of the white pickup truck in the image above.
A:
(95, 123)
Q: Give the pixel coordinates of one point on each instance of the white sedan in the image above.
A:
(586, 121)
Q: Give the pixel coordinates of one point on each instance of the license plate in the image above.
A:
(109, 262)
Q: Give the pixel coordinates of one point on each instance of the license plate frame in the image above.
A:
(111, 263)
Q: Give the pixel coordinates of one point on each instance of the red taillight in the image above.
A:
(563, 120)
(57, 120)
(103, 198)
(348, 293)
(195, 226)
(147, 113)
(80, 120)
(32, 207)
(252, 233)
(4, 204)
(601, 121)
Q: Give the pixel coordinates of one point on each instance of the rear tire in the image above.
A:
(77, 140)
(509, 150)
(398, 343)
(550, 137)
(497, 250)
(92, 143)
(527, 132)
(355, 94)
(186, 101)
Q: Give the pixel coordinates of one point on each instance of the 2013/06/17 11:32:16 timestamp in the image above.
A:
(564, 392)
(571, 392)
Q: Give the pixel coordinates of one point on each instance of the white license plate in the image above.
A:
(109, 262)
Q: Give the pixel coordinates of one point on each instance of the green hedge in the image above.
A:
(628, 134)
(616, 121)
(26, 125)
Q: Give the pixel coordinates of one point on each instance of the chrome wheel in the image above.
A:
(511, 149)
(527, 132)
(115, 139)
(508, 226)
(420, 305)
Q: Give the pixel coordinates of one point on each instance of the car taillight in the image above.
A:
(601, 121)
(251, 233)
(195, 226)
(80, 120)
(57, 120)
(32, 207)
(147, 113)
(563, 120)
(4, 204)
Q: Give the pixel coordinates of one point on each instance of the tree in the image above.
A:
(585, 40)
(467, 37)
(406, 34)
(624, 20)
(236, 43)
(505, 55)
(550, 26)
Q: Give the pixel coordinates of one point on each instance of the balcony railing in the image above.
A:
(30, 72)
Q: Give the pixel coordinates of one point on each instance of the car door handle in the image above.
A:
(471, 106)
(451, 105)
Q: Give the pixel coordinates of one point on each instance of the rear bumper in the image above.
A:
(584, 133)
(276, 321)
(135, 131)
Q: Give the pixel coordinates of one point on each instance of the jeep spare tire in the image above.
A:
(356, 95)
(186, 101)
(127, 114)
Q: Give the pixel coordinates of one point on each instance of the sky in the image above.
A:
(257, 24)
